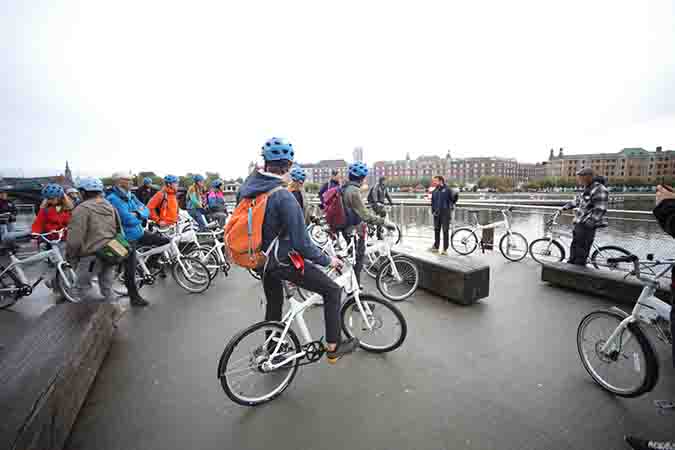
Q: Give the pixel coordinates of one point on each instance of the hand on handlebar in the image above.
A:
(336, 263)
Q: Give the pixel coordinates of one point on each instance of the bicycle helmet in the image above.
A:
(91, 185)
(216, 183)
(52, 191)
(147, 181)
(358, 170)
(197, 178)
(297, 174)
(278, 149)
(72, 190)
(170, 179)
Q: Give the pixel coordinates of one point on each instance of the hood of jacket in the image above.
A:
(123, 195)
(259, 183)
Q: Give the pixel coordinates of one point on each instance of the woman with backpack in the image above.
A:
(195, 201)
(163, 205)
(297, 188)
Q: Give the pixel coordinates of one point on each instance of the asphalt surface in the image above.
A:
(501, 374)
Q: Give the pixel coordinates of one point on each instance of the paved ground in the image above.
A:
(502, 374)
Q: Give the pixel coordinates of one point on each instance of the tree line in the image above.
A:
(184, 181)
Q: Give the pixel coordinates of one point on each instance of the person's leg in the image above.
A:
(274, 294)
(575, 245)
(445, 217)
(360, 252)
(589, 237)
(106, 276)
(437, 232)
(135, 298)
(84, 272)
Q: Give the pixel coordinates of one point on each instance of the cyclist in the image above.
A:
(8, 208)
(216, 202)
(195, 201)
(55, 211)
(284, 220)
(297, 188)
(163, 205)
(376, 198)
(333, 182)
(93, 224)
(74, 196)
(357, 213)
(145, 192)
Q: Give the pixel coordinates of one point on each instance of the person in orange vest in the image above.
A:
(163, 205)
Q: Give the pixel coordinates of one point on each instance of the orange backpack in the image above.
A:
(243, 232)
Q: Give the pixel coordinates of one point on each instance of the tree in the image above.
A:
(107, 181)
(312, 187)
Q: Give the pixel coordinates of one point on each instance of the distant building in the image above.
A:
(357, 154)
(320, 172)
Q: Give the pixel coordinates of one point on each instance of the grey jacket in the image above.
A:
(93, 223)
(351, 196)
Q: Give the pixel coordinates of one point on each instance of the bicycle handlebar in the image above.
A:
(43, 236)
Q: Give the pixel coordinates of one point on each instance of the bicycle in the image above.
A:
(391, 271)
(275, 353)
(550, 249)
(513, 245)
(619, 355)
(212, 256)
(387, 235)
(13, 281)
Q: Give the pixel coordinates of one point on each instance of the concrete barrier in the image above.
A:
(613, 285)
(46, 374)
(458, 279)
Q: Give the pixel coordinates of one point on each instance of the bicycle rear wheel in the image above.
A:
(381, 330)
(546, 250)
(7, 285)
(65, 286)
(393, 289)
(191, 274)
(392, 236)
(464, 241)
(208, 258)
(628, 370)
(242, 370)
(601, 255)
(318, 234)
(513, 246)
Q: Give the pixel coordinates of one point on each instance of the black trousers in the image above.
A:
(442, 221)
(582, 240)
(313, 280)
(147, 240)
(379, 209)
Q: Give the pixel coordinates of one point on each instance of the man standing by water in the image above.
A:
(591, 206)
(334, 181)
(443, 201)
(376, 197)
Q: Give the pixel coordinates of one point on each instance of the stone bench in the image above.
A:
(46, 374)
(613, 285)
(458, 279)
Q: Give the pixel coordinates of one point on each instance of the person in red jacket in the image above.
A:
(54, 211)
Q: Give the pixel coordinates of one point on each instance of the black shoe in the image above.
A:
(641, 444)
(138, 302)
(344, 348)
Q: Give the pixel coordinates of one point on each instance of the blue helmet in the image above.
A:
(52, 191)
(278, 149)
(358, 170)
(147, 181)
(197, 178)
(171, 179)
(297, 174)
(91, 185)
(216, 183)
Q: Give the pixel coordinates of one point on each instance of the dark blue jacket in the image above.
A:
(126, 204)
(283, 217)
(324, 188)
(441, 198)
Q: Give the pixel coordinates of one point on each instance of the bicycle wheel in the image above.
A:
(601, 255)
(513, 246)
(629, 370)
(318, 235)
(398, 290)
(373, 263)
(208, 258)
(546, 250)
(120, 280)
(62, 287)
(191, 274)
(7, 298)
(464, 241)
(242, 367)
(388, 328)
(393, 237)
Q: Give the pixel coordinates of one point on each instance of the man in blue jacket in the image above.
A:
(285, 220)
(443, 200)
(132, 215)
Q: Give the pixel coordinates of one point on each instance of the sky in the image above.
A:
(197, 86)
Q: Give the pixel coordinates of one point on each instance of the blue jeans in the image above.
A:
(6, 228)
(198, 215)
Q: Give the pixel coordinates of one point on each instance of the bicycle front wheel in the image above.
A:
(393, 237)
(66, 283)
(8, 286)
(398, 289)
(243, 369)
(464, 241)
(601, 255)
(545, 250)
(380, 329)
(629, 368)
(373, 263)
(191, 274)
(318, 235)
(208, 258)
(513, 246)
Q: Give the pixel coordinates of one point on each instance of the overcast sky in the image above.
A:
(195, 86)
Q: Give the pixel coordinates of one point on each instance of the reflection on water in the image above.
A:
(638, 234)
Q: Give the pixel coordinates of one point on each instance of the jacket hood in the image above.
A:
(258, 184)
(600, 179)
(103, 208)
(124, 195)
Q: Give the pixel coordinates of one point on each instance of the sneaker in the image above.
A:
(443, 253)
(344, 348)
(433, 250)
(138, 302)
(641, 444)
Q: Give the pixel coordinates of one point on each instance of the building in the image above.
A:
(357, 154)
(320, 172)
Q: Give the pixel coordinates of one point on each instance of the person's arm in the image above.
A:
(322, 191)
(386, 194)
(67, 203)
(77, 229)
(128, 219)
(571, 205)
(599, 202)
(12, 209)
(665, 214)
(153, 205)
(39, 222)
(139, 208)
(353, 200)
(292, 216)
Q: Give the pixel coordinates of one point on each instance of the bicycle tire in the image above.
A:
(7, 281)
(380, 282)
(470, 236)
(506, 253)
(62, 290)
(596, 258)
(201, 285)
(231, 346)
(317, 235)
(208, 258)
(382, 304)
(650, 360)
(540, 253)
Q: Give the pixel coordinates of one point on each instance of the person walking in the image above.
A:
(333, 182)
(216, 202)
(195, 201)
(297, 188)
(93, 224)
(163, 205)
(591, 206)
(9, 213)
(145, 192)
(441, 208)
(376, 197)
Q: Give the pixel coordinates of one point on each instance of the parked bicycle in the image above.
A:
(613, 346)
(260, 362)
(550, 249)
(212, 254)
(512, 245)
(14, 284)
(396, 277)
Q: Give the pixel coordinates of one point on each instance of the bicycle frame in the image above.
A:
(170, 251)
(54, 255)
(384, 250)
(506, 222)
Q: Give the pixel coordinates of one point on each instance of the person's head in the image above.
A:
(122, 180)
(53, 194)
(438, 180)
(147, 181)
(199, 180)
(217, 185)
(298, 175)
(73, 193)
(585, 176)
(171, 182)
(335, 175)
(278, 154)
(3, 195)
(91, 188)
(358, 172)
(382, 180)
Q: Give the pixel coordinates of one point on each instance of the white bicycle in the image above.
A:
(212, 254)
(397, 277)
(613, 347)
(260, 362)
(512, 245)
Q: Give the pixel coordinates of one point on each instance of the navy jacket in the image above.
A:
(442, 198)
(324, 188)
(284, 218)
